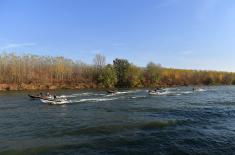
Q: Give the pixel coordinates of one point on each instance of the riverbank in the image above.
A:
(48, 86)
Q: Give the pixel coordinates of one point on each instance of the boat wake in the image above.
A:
(128, 92)
(82, 94)
(200, 90)
(136, 97)
(131, 94)
(125, 92)
(187, 92)
(66, 96)
(55, 102)
(162, 93)
(92, 100)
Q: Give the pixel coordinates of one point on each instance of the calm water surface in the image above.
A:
(131, 122)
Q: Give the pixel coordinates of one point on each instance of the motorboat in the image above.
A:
(111, 91)
(37, 97)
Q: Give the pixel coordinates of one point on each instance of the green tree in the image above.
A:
(134, 76)
(108, 77)
(121, 67)
(153, 72)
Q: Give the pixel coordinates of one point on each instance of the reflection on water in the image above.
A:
(178, 121)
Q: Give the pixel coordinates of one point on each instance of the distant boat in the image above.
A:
(156, 92)
(35, 96)
(153, 92)
(111, 91)
(198, 89)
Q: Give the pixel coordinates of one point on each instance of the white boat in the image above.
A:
(55, 101)
(154, 93)
(158, 92)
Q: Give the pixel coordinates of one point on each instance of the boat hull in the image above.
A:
(111, 91)
(34, 96)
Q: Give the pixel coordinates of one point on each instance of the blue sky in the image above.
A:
(190, 34)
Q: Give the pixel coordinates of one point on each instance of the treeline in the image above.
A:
(33, 69)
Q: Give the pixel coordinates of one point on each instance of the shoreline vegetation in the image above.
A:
(33, 72)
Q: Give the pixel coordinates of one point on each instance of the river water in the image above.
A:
(179, 121)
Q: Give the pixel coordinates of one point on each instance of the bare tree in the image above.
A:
(99, 61)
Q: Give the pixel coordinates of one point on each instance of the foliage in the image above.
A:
(33, 69)
(108, 77)
(121, 67)
(134, 76)
(152, 74)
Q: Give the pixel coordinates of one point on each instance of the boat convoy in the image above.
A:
(53, 99)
